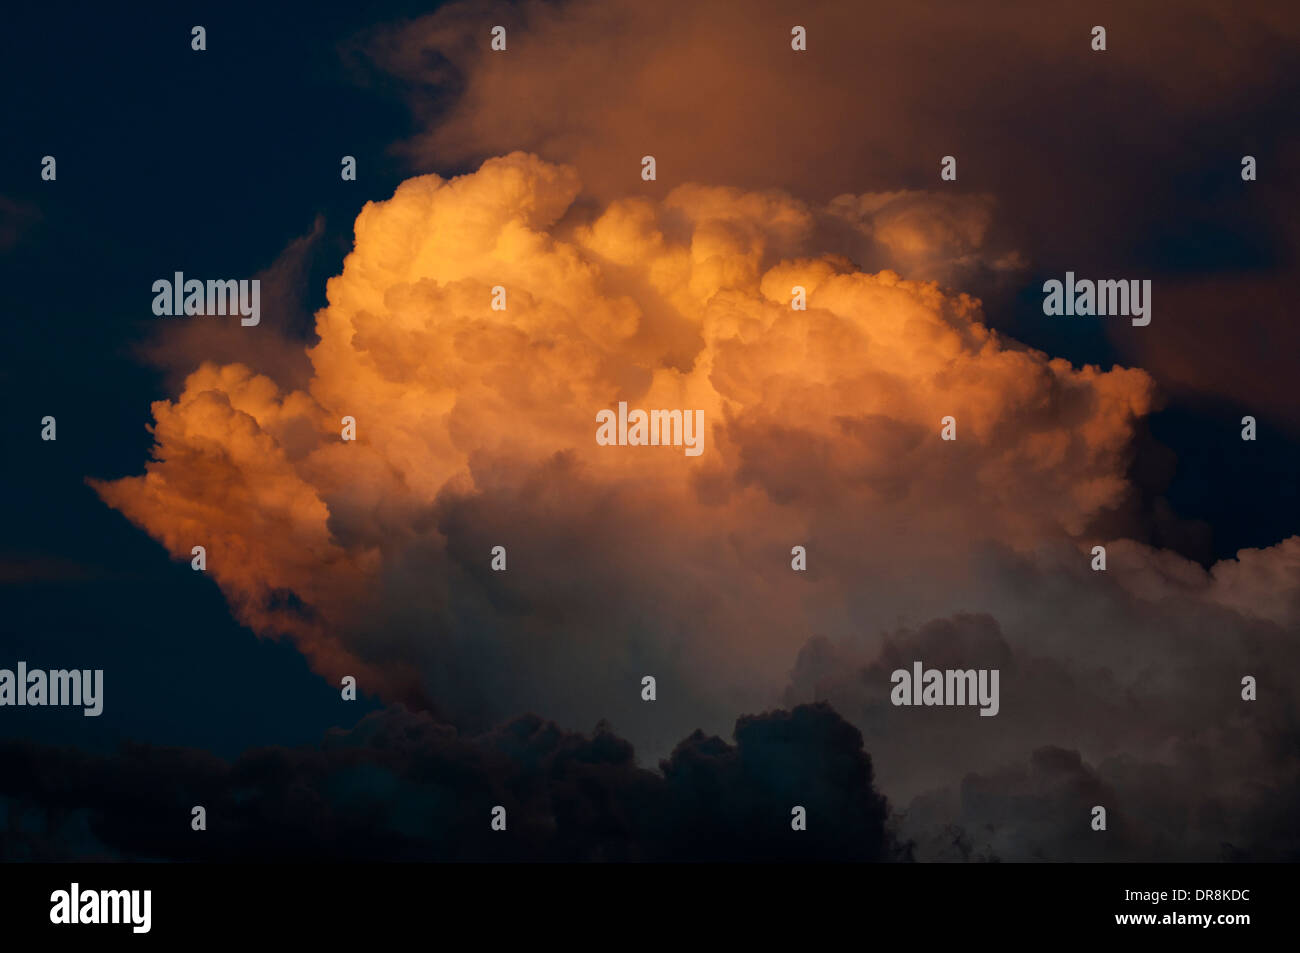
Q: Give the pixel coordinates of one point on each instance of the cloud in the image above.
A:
(402, 786)
(178, 347)
(476, 428)
(927, 235)
(1133, 676)
(1015, 93)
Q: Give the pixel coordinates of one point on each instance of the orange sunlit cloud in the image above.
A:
(678, 304)
(476, 428)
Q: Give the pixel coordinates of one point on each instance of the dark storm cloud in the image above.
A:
(1131, 704)
(401, 786)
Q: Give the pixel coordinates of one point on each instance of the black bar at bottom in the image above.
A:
(610, 904)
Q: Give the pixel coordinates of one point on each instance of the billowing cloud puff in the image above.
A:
(927, 235)
(1148, 694)
(476, 428)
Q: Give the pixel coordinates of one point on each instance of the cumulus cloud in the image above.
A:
(476, 428)
(1138, 670)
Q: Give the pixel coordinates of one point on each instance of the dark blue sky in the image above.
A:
(167, 160)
